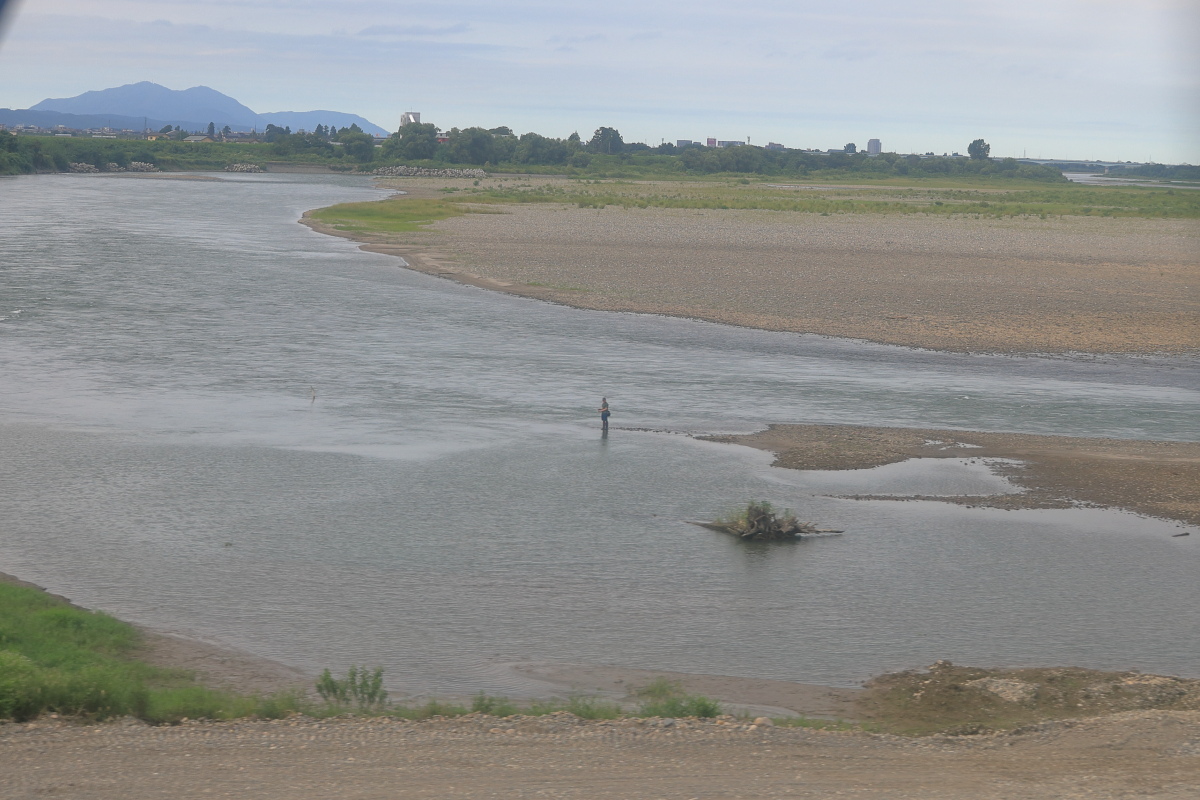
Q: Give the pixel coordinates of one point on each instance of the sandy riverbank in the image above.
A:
(1160, 479)
(1013, 285)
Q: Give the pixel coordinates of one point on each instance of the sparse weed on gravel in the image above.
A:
(666, 698)
(812, 723)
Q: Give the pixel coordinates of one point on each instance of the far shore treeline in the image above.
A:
(605, 154)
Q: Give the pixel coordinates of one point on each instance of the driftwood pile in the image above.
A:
(760, 523)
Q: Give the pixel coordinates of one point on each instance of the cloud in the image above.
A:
(414, 30)
(791, 72)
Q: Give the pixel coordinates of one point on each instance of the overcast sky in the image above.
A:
(1105, 79)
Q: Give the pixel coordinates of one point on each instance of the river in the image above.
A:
(217, 422)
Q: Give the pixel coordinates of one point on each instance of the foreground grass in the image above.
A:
(58, 658)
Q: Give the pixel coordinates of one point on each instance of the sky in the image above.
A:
(1074, 79)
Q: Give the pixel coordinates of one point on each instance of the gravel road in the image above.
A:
(1133, 755)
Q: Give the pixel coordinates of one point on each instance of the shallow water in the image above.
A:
(446, 506)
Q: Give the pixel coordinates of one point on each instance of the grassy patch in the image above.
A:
(58, 658)
(666, 698)
(393, 215)
(983, 198)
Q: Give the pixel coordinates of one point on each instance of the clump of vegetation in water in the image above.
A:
(760, 522)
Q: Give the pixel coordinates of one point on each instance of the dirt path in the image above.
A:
(1134, 755)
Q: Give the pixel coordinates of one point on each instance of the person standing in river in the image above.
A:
(603, 413)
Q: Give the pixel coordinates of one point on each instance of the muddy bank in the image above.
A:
(1160, 479)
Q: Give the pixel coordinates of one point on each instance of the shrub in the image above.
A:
(493, 706)
(666, 698)
(360, 687)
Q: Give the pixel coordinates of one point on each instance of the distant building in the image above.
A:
(733, 143)
(197, 138)
(874, 147)
(712, 142)
(409, 116)
(775, 146)
(684, 143)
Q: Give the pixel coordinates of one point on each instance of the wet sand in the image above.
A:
(1160, 479)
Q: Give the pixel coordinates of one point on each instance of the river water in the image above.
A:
(217, 422)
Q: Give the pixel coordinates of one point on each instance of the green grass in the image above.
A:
(993, 200)
(393, 215)
(666, 698)
(57, 658)
(986, 198)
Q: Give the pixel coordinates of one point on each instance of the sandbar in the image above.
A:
(1159, 479)
(956, 283)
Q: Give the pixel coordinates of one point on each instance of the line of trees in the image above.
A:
(605, 152)
(490, 147)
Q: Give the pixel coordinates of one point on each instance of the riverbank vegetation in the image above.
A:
(407, 213)
(56, 658)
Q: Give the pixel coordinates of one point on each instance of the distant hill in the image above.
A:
(190, 109)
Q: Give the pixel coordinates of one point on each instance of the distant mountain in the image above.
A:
(190, 109)
(147, 99)
(308, 120)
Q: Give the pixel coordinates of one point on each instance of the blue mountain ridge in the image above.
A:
(191, 109)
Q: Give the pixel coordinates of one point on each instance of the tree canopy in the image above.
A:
(607, 141)
(979, 149)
